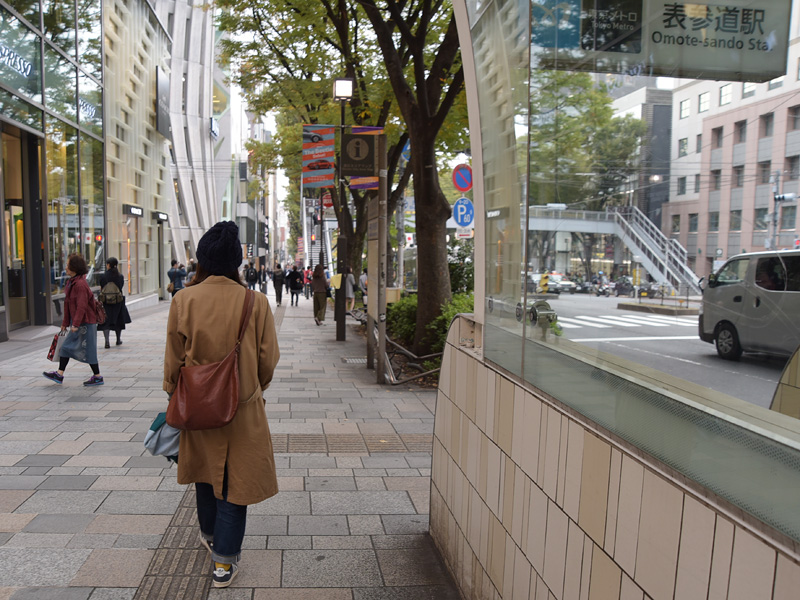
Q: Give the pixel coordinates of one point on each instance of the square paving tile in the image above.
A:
(266, 525)
(113, 567)
(438, 592)
(289, 542)
(21, 482)
(113, 594)
(67, 482)
(129, 524)
(259, 569)
(141, 503)
(44, 460)
(59, 502)
(317, 525)
(361, 503)
(411, 566)
(52, 593)
(330, 568)
(316, 484)
(302, 594)
(58, 524)
(284, 503)
(40, 566)
(402, 524)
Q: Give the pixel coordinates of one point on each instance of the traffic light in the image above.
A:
(98, 238)
(313, 237)
(784, 197)
(544, 282)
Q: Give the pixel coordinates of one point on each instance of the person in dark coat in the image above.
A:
(278, 280)
(116, 314)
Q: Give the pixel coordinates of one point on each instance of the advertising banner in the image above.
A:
(163, 125)
(735, 40)
(365, 183)
(318, 156)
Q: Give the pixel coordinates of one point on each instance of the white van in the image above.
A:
(752, 304)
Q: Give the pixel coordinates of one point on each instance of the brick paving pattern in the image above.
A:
(87, 514)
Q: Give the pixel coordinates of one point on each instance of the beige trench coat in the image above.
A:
(203, 327)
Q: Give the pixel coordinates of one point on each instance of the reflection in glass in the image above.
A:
(21, 67)
(90, 54)
(62, 198)
(59, 24)
(90, 104)
(20, 111)
(60, 84)
(28, 9)
(92, 205)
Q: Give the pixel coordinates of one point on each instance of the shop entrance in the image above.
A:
(15, 231)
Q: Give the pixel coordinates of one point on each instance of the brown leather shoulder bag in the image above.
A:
(207, 396)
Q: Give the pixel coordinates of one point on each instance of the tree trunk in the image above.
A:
(432, 212)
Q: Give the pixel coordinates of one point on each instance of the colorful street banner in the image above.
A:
(365, 183)
(318, 156)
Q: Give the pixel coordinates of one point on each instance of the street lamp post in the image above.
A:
(343, 92)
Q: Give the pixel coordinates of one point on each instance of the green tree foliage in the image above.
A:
(462, 266)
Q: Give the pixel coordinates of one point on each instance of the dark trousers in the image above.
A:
(278, 293)
(295, 297)
(221, 522)
(64, 361)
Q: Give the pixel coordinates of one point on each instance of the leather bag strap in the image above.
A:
(247, 310)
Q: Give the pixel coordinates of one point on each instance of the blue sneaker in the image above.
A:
(223, 577)
(94, 380)
(54, 377)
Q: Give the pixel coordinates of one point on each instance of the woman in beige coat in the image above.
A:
(232, 466)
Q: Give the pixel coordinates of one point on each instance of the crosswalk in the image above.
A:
(612, 321)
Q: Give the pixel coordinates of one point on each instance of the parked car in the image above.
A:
(751, 305)
(562, 283)
(623, 286)
(533, 280)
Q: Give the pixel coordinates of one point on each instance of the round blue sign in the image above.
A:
(463, 212)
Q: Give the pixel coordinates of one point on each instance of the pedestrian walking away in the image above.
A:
(307, 281)
(350, 289)
(111, 285)
(263, 278)
(362, 285)
(286, 272)
(232, 466)
(80, 320)
(319, 286)
(295, 278)
(176, 276)
(277, 282)
(251, 276)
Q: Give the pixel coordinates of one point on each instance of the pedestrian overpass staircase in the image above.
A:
(663, 258)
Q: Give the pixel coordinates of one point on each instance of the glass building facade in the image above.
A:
(52, 174)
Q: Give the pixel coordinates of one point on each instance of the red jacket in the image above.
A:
(78, 303)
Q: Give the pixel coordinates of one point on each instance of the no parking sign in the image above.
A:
(462, 178)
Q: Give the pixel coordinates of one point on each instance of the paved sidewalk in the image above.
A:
(87, 514)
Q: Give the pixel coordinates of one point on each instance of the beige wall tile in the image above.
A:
(613, 500)
(630, 503)
(537, 528)
(526, 510)
(508, 573)
(721, 560)
(495, 463)
(629, 590)
(491, 394)
(518, 425)
(572, 485)
(465, 425)
(605, 581)
(508, 493)
(474, 527)
(694, 557)
(497, 552)
(455, 433)
(483, 469)
(542, 453)
(542, 593)
(480, 392)
(473, 450)
(555, 553)
(522, 576)
(504, 415)
(459, 396)
(453, 372)
(532, 416)
(486, 519)
(439, 423)
(444, 382)
(472, 390)
(787, 578)
(562, 461)
(551, 458)
(594, 487)
(518, 506)
(659, 536)
(573, 563)
(589, 549)
(752, 568)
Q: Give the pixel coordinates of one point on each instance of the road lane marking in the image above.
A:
(642, 320)
(612, 320)
(575, 322)
(644, 338)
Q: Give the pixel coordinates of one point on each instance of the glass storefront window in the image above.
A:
(20, 111)
(90, 49)
(59, 24)
(62, 198)
(20, 58)
(28, 9)
(94, 234)
(60, 84)
(90, 104)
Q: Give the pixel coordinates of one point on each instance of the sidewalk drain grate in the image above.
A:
(355, 360)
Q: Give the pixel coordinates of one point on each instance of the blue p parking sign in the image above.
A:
(463, 212)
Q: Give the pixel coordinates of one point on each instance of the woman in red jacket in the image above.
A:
(79, 317)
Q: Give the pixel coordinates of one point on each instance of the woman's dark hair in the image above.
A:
(77, 264)
(319, 271)
(201, 275)
(112, 263)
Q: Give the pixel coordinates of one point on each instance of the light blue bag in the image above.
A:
(162, 439)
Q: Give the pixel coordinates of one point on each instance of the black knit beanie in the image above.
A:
(219, 251)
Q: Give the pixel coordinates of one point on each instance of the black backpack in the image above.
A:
(252, 274)
(110, 294)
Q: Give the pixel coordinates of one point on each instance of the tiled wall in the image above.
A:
(530, 502)
(787, 394)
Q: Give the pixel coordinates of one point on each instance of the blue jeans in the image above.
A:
(221, 522)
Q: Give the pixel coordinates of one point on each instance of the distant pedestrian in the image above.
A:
(176, 276)
(362, 285)
(112, 284)
(263, 278)
(191, 270)
(295, 280)
(232, 466)
(79, 319)
(319, 286)
(251, 276)
(350, 289)
(307, 281)
(286, 272)
(278, 280)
